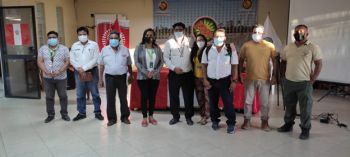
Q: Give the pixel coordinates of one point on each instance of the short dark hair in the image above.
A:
(83, 28)
(179, 24)
(52, 32)
(301, 25)
(114, 32)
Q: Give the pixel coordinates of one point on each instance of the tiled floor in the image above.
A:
(24, 134)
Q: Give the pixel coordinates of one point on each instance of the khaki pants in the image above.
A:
(263, 87)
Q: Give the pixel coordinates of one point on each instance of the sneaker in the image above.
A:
(79, 117)
(231, 129)
(189, 121)
(126, 121)
(99, 116)
(203, 121)
(49, 119)
(285, 128)
(265, 125)
(246, 124)
(144, 123)
(173, 121)
(215, 126)
(66, 118)
(305, 133)
(152, 121)
(110, 123)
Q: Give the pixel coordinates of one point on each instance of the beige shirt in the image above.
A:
(299, 60)
(257, 57)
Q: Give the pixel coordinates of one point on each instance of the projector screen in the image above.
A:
(329, 27)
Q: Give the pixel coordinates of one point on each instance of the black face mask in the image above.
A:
(148, 39)
(299, 37)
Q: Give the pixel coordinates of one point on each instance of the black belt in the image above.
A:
(116, 76)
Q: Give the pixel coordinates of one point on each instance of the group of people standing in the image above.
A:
(211, 70)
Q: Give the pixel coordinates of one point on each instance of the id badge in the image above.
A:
(151, 65)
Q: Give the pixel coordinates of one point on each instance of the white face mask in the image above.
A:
(200, 44)
(257, 37)
(83, 38)
(178, 34)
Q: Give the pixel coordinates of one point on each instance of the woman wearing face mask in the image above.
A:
(148, 60)
(201, 92)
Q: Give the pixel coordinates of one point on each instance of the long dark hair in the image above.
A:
(195, 49)
(143, 40)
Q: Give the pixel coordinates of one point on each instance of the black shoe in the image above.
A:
(79, 117)
(189, 121)
(215, 126)
(230, 129)
(126, 121)
(305, 133)
(49, 119)
(285, 128)
(110, 123)
(174, 121)
(99, 116)
(66, 118)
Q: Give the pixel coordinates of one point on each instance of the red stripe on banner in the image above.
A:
(9, 34)
(125, 32)
(103, 30)
(25, 34)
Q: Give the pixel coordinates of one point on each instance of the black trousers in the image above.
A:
(148, 89)
(221, 87)
(185, 82)
(114, 83)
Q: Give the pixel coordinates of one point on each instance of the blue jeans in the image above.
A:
(81, 92)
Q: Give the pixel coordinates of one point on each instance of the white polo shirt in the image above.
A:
(178, 54)
(84, 56)
(219, 64)
(115, 62)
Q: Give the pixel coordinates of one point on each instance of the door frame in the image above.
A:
(5, 57)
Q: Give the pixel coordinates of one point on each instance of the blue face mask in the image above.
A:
(52, 41)
(218, 41)
(113, 42)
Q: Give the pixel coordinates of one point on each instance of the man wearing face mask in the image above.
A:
(53, 60)
(297, 61)
(257, 54)
(83, 57)
(220, 63)
(177, 54)
(115, 62)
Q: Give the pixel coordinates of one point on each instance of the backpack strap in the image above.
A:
(207, 51)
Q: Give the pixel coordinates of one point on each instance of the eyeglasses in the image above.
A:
(115, 38)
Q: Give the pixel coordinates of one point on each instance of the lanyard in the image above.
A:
(150, 53)
(181, 47)
(52, 53)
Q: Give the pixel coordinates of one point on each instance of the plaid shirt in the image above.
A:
(54, 59)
